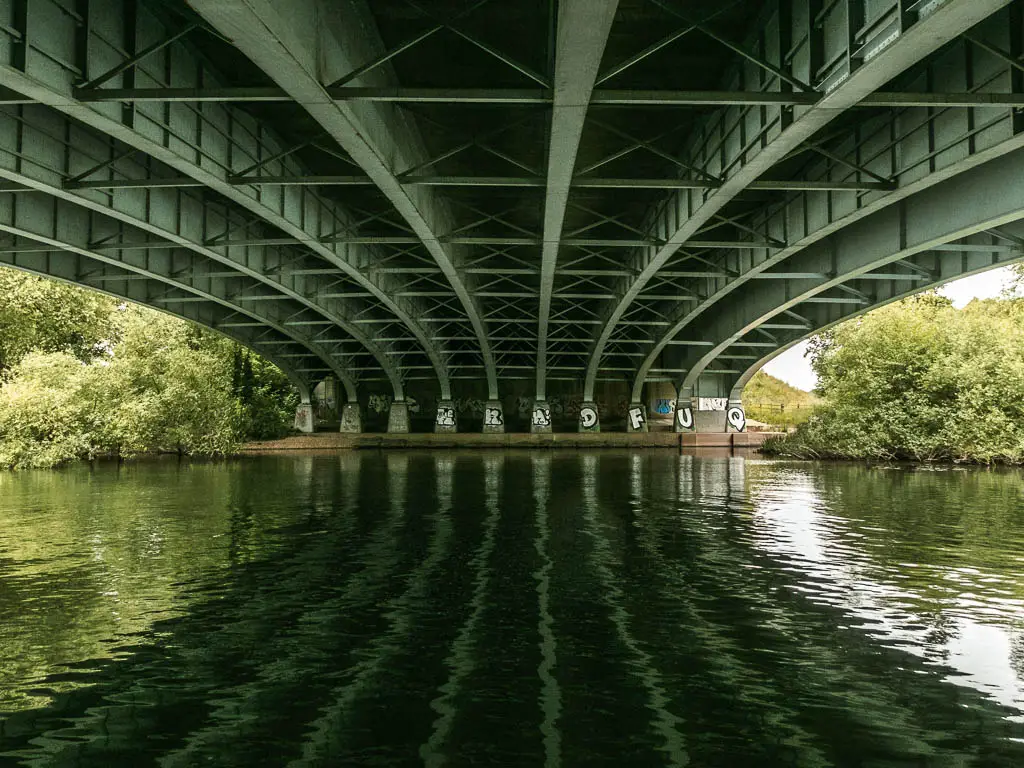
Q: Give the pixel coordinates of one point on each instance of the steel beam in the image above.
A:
(512, 96)
(280, 41)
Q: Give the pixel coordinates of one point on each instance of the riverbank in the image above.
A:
(339, 441)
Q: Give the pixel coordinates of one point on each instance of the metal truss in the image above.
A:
(739, 144)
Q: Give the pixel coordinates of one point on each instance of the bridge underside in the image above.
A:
(570, 213)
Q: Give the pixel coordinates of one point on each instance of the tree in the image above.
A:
(126, 380)
(48, 316)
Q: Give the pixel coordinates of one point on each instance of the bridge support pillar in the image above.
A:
(446, 422)
(305, 419)
(351, 419)
(636, 418)
(540, 417)
(398, 417)
(590, 418)
(494, 418)
(735, 416)
(684, 420)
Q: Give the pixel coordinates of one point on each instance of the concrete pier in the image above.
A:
(351, 419)
(398, 418)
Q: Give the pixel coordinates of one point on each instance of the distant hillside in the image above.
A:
(768, 389)
(773, 402)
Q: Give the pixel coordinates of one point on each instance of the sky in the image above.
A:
(793, 368)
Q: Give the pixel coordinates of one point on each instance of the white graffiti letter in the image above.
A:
(737, 418)
(636, 417)
(541, 417)
(445, 416)
(685, 417)
(588, 417)
(492, 417)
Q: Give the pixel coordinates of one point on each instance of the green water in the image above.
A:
(555, 608)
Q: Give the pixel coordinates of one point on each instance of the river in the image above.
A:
(524, 608)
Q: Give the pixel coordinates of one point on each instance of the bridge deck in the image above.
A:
(598, 201)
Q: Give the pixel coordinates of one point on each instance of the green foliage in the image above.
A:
(48, 316)
(920, 380)
(773, 401)
(128, 381)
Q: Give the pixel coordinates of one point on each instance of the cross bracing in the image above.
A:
(476, 190)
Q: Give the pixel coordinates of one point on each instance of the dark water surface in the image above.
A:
(558, 608)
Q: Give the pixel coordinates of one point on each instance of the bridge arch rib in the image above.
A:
(949, 264)
(297, 358)
(155, 279)
(136, 221)
(912, 148)
(306, 44)
(966, 224)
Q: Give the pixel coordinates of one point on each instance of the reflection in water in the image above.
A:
(511, 609)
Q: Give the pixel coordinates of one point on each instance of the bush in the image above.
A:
(920, 380)
(128, 380)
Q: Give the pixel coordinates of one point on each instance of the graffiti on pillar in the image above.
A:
(379, 403)
(663, 406)
(712, 403)
(445, 416)
(470, 405)
(684, 417)
(541, 416)
(636, 417)
(414, 407)
(350, 419)
(492, 417)
(303, 417)
(737, 418)
(588, 416)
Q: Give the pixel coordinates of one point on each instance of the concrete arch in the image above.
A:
(279, 41)
(929, 238)
(688, 210)
(297, 216)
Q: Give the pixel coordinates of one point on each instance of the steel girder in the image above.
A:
(583, 28)
(40, 149)
(211, 144)
(932, 234)
(303, 45)
(47, 237)
(737, 160)
(912, 148)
